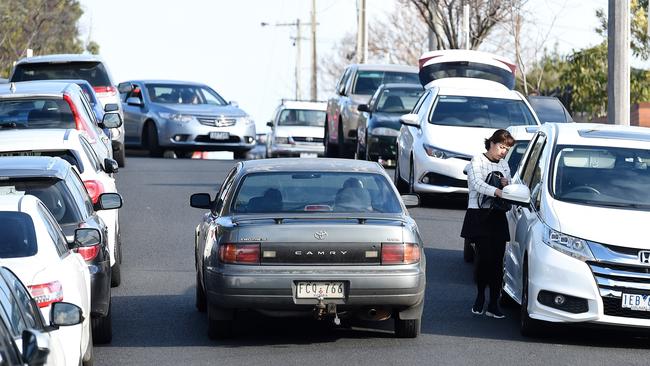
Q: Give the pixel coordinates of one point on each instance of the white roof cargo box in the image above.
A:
(466, 63)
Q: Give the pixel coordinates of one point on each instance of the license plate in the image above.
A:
(314, 290)
(636, 302)
(308, 155)
(218, 135)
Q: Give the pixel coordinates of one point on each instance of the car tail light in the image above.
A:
(94, 188)
(47, 293)
(406, 253)
(240, 253)
(79, 123)
(88, 253)
(105, 91)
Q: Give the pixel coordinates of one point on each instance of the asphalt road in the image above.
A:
(155, 321)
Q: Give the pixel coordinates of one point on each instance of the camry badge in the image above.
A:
(320, 235)
(644, 256)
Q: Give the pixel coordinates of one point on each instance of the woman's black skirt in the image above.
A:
(482, 223)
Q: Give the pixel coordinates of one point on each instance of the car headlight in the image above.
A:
(281, 140)
(384, 131)
(569, 245)
(177, 117)
(436, 152)
(246, 121)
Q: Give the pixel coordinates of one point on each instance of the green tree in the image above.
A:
(45, 26)
(640, 41)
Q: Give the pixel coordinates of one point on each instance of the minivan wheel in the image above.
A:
(529, 327)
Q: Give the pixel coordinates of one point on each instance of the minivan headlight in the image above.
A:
(177, 117)
(569, 245)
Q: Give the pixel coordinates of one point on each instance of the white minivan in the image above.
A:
(580, 252)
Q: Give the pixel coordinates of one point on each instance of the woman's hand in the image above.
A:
(504, 181)
(498, 192)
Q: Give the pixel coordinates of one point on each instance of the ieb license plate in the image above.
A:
(314, 290)
(219, 135)
(635, 302)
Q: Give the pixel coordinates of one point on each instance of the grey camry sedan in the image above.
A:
(183, 116)
(327, 238)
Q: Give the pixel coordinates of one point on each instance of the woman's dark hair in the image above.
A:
(500, 136)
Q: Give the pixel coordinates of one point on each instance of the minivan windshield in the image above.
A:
(183, 94)
(452, 110)
(35, 113)
(302, 117)
(313, 191)
(602, 176)
(91, 71)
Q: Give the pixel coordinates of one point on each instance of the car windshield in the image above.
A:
(302, 117)
(480, 112)
(602, 176)
(549, 110)
(396, 100)
(52, 192)
(304, 192)
(91, 71)
(35, 113)
(183, 94)
(18, 237)
(368, 81)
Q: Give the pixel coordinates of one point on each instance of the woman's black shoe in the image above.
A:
(478, 305)
(495, 312)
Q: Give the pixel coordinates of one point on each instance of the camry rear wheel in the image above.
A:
(201, 304)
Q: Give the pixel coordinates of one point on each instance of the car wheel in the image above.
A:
(120, 156)
(331, 150)
(239, 154)
(183, 154)
(529, 327)
(402, 186)
(89, 358)
(411, 183)
(360, 152)
(468, 251)
(152, 141)
(116, 272)
(343, 150)
(407, 328)
(218, 328)
(201, 301)
(103, 328)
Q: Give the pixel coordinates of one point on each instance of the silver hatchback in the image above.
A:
(326, 238)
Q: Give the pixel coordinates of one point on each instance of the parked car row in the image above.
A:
(59, 201)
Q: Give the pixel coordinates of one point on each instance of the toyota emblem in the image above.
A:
(320, 235)
(644, 256)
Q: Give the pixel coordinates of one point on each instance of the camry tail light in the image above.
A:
(239, 253)
(404, 253)
(94, 188)
(47, 293)
(105, 91)
(88, 253)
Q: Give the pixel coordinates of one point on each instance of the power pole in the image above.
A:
(466, 26)
(314, 62)
(362, 39)
(618, 63)
(298, 38)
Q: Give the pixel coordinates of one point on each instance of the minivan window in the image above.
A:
(462, 111)
(35, 113)
(368, 81)
(18, 237)
(92, 71)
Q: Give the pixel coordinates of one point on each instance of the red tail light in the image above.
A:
(105, 91)
(94, 188)
(47, 293)
(79, 123)
(407, 253)
(240, 253)
(88, 253)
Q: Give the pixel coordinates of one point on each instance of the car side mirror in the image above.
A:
(63, 314)
(517, 194)
(85, 237)
(134, 101)
(124, 87)
(108, 201)
(112, 120)
(110, 166)
(270, 124)
(363, 108)
(410, 119)
(35, 347)
(111, 107)
(200, 200)
(411, 200)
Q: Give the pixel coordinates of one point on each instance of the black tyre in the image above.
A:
(343, 149)
(331, 150)
(120, 156)
(468, 251)
(201, 301)
(153, 144)
(219, 329)
(402, 186)
(103, 328)
(411, 183)
(240, 154)
(116, 273)
(529, 327)
(407, 328)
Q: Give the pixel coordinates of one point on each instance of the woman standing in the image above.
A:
(487, 227)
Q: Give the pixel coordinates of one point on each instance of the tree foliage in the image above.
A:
(45, 26)
(640, 41)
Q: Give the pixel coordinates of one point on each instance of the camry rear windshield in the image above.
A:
(18, 237)
(300, 192)
(91, 71)
(368, 81)
(480, 112)
(302, 117)
(465, 69)
(53, 193)
(35, 113)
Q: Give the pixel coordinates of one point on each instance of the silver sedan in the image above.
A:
(326, 238)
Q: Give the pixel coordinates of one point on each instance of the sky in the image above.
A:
(222, 44)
